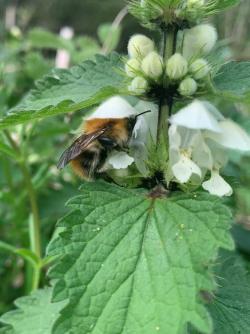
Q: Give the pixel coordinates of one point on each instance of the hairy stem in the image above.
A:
(34, 230)
(169, 36)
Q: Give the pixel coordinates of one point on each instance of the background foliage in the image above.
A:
(27, 57)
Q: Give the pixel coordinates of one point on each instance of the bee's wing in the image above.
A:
(78, 147)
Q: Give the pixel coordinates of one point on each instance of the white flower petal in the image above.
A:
(120, 160)
(232, 136)
(216, 185)
(184, 169)
(115, 107)
(201, 153)
(174, 137)
(140, 153)
(196, 116)
(146, 129)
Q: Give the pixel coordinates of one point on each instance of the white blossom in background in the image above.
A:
(63, 56)
(199, 139)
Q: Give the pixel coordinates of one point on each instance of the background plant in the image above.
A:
(25, 111)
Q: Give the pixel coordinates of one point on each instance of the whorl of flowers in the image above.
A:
(198, 137)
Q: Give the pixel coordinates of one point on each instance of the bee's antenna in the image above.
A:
(142, 113)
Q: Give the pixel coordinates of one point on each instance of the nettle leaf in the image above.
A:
(35, 314)
(230, 306)
(135, 262)
(233, 80)
(70, 90)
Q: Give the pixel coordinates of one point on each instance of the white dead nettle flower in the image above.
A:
(232, 136)
(216, 185)
(138, 86)
(119, 160)
(144, 134)
(115, 107)
(199, 68)
(132, 67)
(207, 135)
(188, 87)
(180, 154)
(199, 40)
(139, 46)
(177, 67)
(152, 65)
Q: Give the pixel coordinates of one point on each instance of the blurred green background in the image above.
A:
(26, 54)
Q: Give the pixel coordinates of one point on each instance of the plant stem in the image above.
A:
(169, 36)
(34, 228)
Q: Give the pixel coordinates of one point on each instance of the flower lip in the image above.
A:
(216, 185)
(120, 160)
(196, 116)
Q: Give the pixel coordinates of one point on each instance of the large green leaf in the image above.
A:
(70, 90)
(35, 314)
(134, 262)
(233, 80)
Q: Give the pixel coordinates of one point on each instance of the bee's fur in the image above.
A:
(88, 153)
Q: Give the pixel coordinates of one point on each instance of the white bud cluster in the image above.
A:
(145, 64)
(185, 70)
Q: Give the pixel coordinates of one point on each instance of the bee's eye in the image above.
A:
(107, 142)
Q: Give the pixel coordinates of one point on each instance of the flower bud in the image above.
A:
(140, 46)
(138, 86)
(177, 67)
(199, 40)
(199, 68)
(188, 87)
(152, 65)
(132, 67)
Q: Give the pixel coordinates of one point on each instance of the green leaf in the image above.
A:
(230, 306)
(135, 262)
(35, 314)
(6, 330)
(233, 80)
(65, 91)
(6, 149)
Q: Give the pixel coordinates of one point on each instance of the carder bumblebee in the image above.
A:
(88, 153)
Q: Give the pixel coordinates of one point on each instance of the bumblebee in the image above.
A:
(88, 153)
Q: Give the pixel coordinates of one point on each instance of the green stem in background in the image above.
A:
(116, 23)
(169, 36)
(35, 237)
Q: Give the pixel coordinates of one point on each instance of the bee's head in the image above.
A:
(133, 119)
